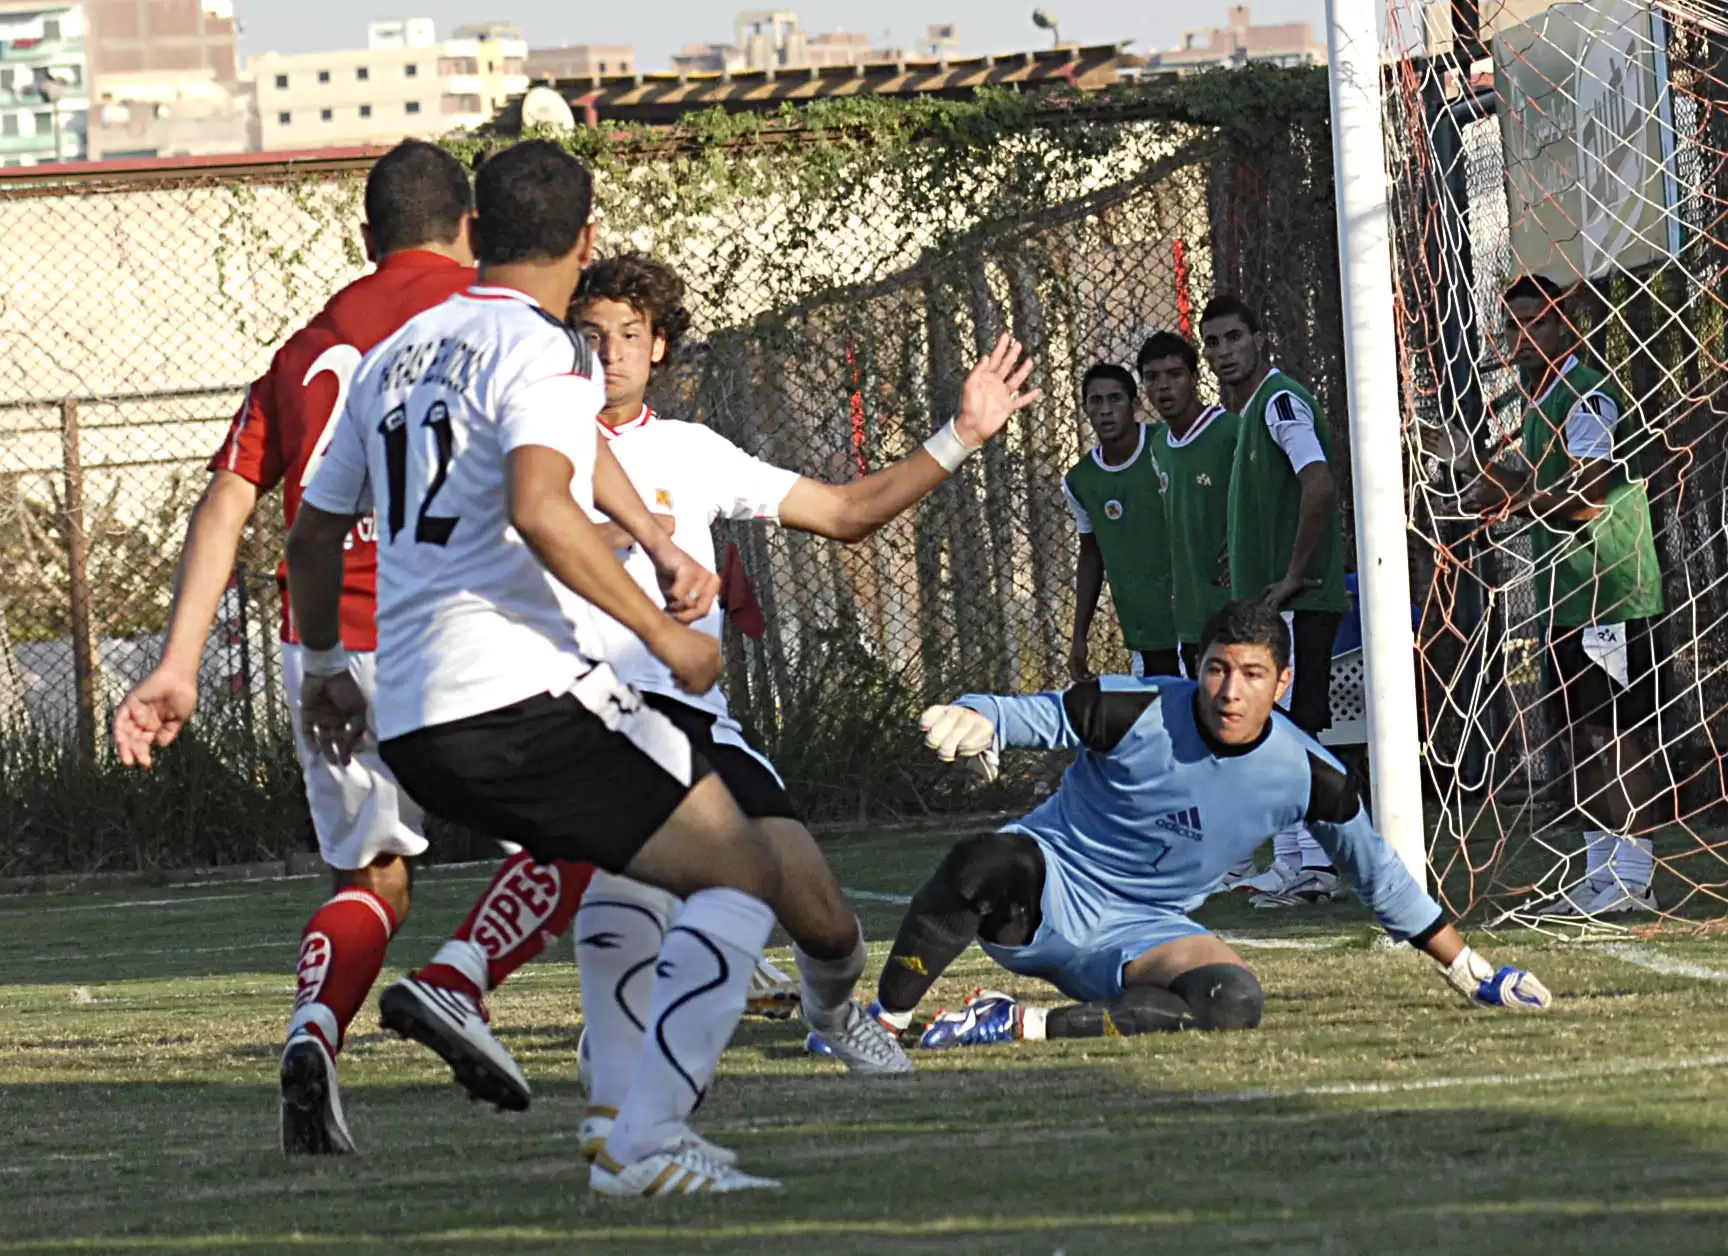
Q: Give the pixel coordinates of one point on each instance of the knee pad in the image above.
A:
(1221, 996)
(1001, 876)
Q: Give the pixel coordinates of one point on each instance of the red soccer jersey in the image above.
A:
(289, 415)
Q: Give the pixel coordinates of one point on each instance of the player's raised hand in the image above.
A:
(957, 732)
(692, 657)
(333, 716)
(153, 714)
(690, 588)
(995, 391)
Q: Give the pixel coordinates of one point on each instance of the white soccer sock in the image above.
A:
(1287, 846)
(828, 984)
(1598, 846)
(619, 929)
(1632, 862)
(702, 980)
(1313, 854)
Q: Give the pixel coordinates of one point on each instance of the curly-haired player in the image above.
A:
(631, 309)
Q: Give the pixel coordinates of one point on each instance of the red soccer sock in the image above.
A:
(341, 953)
(527, 906)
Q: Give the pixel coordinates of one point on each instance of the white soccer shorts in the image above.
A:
(359, 812)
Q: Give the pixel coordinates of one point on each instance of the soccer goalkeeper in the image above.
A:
(1173, 782)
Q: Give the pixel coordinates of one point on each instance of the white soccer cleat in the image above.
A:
(772, 995)
(596, 1128)
(453, 1025)
(1274, 880)
(1311, 886)
(1240, 873)
(1588, 899)
(312, 1120)
(1616, 899)
(684, 1170)
(862, 1043)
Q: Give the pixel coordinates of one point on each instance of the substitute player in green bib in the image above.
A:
(1575, 474)
(1115, 496)
(1194, 448)
(1286, 549)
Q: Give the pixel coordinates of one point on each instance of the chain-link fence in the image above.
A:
(844, 271)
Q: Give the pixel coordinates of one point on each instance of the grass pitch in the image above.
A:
(1371, 1113)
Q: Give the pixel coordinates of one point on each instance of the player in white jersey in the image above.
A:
(471, 432)
(631, 309)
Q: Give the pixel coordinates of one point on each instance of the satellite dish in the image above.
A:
(544, 107)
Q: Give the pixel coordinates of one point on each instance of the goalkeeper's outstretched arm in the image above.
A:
(1340, 824)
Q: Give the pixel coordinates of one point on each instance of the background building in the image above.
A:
(1238, 43)
(165, 80)
(44, 82)
(403, 83)
(581, 60)
(769, 39)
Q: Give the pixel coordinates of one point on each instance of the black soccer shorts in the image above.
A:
(1312, 634)
(753, 784)
(1591, 696)
(549, 774)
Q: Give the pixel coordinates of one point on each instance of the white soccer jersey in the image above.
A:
(468, 619)
(697, 476)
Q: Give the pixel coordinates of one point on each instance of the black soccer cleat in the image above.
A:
(452, 1024)
(312, 1120)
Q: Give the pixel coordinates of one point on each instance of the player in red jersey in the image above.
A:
(418, 208)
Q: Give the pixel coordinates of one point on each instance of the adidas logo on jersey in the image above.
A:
(1183, 823)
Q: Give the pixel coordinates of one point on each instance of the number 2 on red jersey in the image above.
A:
(340, 361)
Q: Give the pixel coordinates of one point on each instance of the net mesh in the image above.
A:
(1571, 671)
(836, 311)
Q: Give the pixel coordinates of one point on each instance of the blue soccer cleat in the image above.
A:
(989, 1016)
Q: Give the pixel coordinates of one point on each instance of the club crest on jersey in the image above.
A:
(1183, 823)
(516, 908)
(1112, 510)
(1203, 480)
(663, 498)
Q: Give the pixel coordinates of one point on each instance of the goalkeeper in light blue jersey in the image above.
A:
(1173, 782)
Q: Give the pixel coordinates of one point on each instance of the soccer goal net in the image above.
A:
(1559, 176)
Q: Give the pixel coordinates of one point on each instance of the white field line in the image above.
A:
(123, 903)
(1626, 1069)
(1656, 962)
(287, 944)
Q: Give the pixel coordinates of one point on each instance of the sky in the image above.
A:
(658, 28)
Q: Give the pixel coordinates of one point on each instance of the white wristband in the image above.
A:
(331, 662)
(947, 447)
(1467, 972)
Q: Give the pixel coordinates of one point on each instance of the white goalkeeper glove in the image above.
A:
(1485, 986)
(957, 732)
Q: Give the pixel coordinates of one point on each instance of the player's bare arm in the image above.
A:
(566, 541)
(153, 713)
(618, 538)
(1088, 586)
(994, 392)
(1319, 501)
(690, 588)
(332, 708)
(1503, 485)
(1578, 495)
